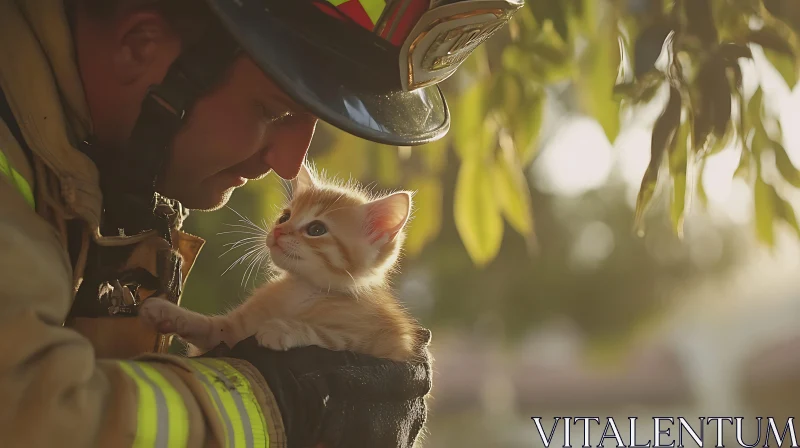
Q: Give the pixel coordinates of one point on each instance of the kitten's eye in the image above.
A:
(284, 217)
(316, 228)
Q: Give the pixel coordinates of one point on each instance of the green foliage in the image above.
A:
(610, 55)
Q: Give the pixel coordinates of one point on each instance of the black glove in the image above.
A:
(342, 399)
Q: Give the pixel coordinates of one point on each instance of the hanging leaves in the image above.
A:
(701, 21)
(680, 167)
(477, 215)
(764, 211)
(470, 134)
(713, 107)
(597, 79)
(514, 195)
(785, 65)
(551, 11)
(785, 165)
(648, 47)
(662, 139)
(786, 10)
(784, 211)
(779, 53)
(701, 189)
(526, 123)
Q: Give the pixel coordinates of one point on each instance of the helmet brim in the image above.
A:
(389, 116)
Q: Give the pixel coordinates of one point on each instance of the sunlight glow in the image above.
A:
(579, 157)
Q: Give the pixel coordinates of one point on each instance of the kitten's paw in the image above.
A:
(161, 314)
(277, 334)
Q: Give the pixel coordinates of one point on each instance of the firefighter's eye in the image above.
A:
(316, 228)
(284, 217)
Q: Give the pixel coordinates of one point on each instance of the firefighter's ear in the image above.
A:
(144, 47)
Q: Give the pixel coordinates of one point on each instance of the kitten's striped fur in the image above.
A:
(332, 289)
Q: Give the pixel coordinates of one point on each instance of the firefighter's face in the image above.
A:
(238, 132)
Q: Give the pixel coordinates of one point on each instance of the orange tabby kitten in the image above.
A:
(334, 247)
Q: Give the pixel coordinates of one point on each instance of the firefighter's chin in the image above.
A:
(210, 195)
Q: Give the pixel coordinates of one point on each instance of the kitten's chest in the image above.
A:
(289, 300)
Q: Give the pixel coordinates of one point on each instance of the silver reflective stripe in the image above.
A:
(237, 399)
(162, 418)
(226, 420)
(162, 413)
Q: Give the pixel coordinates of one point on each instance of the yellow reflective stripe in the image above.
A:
(247, 400)
(243, 417)
(219, 395)
(16, 179)
(162, 417)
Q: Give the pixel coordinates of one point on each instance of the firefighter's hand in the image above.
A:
(337, 399)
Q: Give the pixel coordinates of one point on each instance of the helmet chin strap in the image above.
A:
(128, 177)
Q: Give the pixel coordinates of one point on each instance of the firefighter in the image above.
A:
(119, 116)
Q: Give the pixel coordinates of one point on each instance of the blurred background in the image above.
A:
(607, 230)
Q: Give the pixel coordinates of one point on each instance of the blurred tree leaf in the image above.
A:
(427, 221)
(679, 167)
(785, 65)
(552, 12)
(713, 102)
(730, 52)
(469, 124)
(779, 52)
(527, 123)
(641, 91)
(514, 195)
(648, 48)
(785, 166)
(598, 77)
(770, 39)
(785, 211)
(662, 139)
(755, 107)
(786, 10)
(478, 219)
(701, 189)
(764, 211)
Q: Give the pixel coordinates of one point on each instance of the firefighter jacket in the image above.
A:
(65, 384)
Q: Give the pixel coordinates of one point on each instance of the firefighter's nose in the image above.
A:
(291, 140)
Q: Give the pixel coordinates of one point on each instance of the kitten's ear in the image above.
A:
(303, 181)
(387, 216)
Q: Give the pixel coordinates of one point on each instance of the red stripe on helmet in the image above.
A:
(355, 11)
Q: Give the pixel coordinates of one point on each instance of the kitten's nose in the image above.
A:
(277, 232)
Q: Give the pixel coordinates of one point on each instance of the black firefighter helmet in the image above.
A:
(368, 67)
